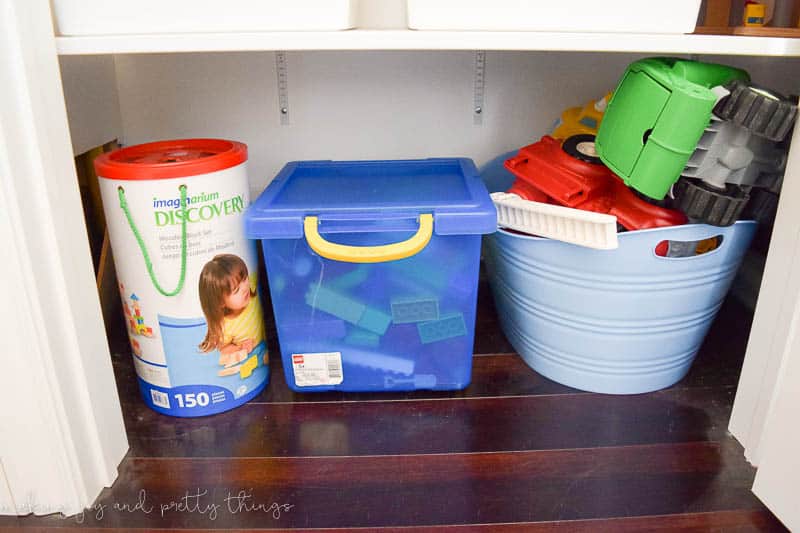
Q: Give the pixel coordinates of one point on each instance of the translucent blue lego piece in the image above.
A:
(374, 320)
(362, 337)
(277, 284)
(415, 276)
(409, 310)
(320, 326)
(420, 381)
(421, 273)
(348, 309)
(335, 303)
(378, 361)
(349, 280)
(447, 327)
(302, 266)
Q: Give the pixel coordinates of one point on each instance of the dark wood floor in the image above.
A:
(513, 452)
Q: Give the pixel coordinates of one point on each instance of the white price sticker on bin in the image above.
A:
(312, 369)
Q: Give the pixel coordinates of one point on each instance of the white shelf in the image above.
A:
(430, 40)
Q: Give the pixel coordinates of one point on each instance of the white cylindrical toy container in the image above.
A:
(187, 274)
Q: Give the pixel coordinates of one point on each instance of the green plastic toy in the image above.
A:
(656, 117)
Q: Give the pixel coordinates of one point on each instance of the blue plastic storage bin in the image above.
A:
(373, 270)
(621, 321)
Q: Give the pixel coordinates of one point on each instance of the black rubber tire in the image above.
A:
(762, 111)
(762, 207)
(574, 147)
(710, 205)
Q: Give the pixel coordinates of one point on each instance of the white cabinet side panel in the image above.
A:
(779, 467)
(780, 291)
(70, 387)
(37, 474)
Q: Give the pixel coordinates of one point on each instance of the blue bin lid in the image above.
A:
(450, 189)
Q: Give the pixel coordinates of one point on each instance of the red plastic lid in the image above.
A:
(170, 159)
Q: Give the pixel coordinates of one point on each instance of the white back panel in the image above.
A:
(356, 105)
(369, 105)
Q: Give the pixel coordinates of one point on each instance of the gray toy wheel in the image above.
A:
(762, 111)
(709, 205)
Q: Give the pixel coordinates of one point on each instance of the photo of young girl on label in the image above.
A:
(229, 299)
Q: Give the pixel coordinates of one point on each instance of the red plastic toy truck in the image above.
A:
(572, 175)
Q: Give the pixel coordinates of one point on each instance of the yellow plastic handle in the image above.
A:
(368, 254)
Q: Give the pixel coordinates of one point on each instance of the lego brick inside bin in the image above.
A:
(361, 337)
(405, 336)
(449, 276)
(302, 266)
(409, 310)
(320, 327)
(349, 280)
(347, 308)
(288, 257)
(335, 303)
(277, 284)
(378, 361)
(419, 381)
(419, 273)
(447, 327)
(374, 320)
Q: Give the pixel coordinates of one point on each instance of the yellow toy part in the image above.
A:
(754, 14)
(368, 254)
(247, 368)
(581, 120)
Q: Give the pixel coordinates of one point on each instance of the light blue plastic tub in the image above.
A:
(621, 321)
